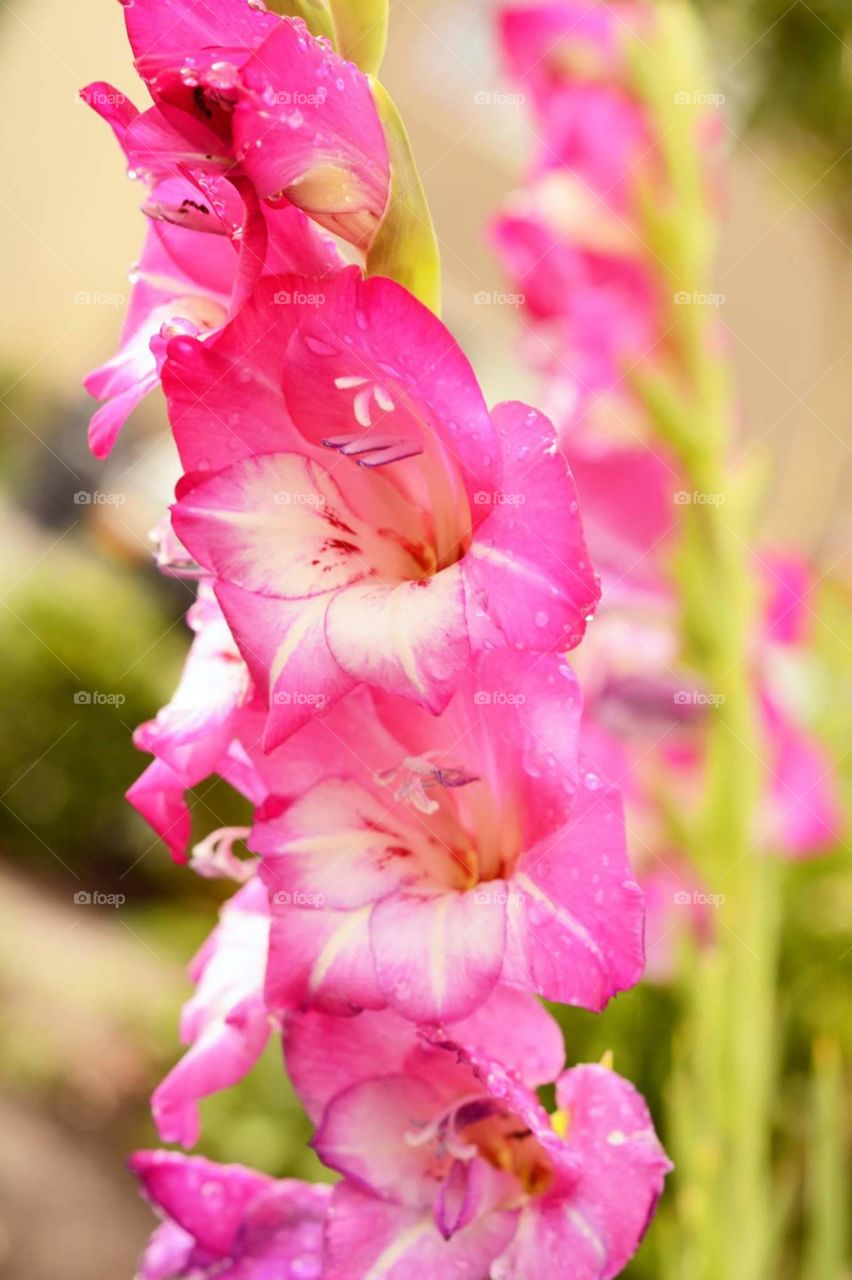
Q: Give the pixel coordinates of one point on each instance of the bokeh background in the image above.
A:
(91, 638)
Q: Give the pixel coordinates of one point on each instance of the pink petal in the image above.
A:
(370, 1239)
(278, 525)
(421, 386)
(528, 567)
(363, 1136)
(321, 959)
(213, 1216)
(226, 1021)
(284, 645)
(575, 916)
(439, 957)
(158, 794)
(307, 129)
(342, 845)
(409, 638)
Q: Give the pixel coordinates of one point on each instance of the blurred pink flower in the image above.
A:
(229, 1222)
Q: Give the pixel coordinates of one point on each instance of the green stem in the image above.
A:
(723, 1081)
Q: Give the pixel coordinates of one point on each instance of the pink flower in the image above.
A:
(451, 1165)
(307, 132)
(331, 573)
(241, 91)
(206, 244)
(592, 302)
(229, 1222)
(545, 43)
(416, 861)
(194, 735)
(803, 809)
(226, 1023)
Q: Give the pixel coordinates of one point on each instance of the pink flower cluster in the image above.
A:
(389, 575)
(597, 305)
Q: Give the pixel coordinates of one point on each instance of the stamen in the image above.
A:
(416, 774)
(362, 409)
(214, 857)
(378, 450)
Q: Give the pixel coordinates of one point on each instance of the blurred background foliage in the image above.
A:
(797, 90)
(89, 997)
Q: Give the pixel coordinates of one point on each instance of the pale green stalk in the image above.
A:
(827, 1205)
(720, 1102)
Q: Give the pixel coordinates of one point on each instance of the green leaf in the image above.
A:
(361, 31)
(314, 12)
(405, 247)
(358, 29)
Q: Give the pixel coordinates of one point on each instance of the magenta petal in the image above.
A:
(528, 567)
(226, 1021)
(339, 844)
(320, 959)
(439, 957)
(306, 129)
(206, 1199)
(367, 1134)
(371, 1239)
(409, 638)
(575, 916)
(158, 794)
(284, 646)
